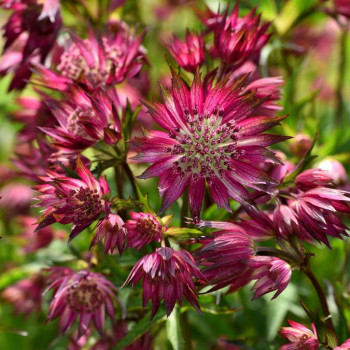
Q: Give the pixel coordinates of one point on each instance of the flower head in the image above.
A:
(167, 274)
(190, 54)
(111, 230)
(26, 294)
(238, 39)
(98, 61)
(85, 295)
(272, 274)
(67, 199)
(143, 229)
(84, 119)
(344, 346)
(299, 336)
(211, 138)
(342, 7)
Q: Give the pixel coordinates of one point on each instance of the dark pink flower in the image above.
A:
(67, 199)
(238, 39)
(224, 257)
(25, 295)
(84, 295)
(30, 34)
(97, 61)
(167, 274)
(299, 336)
(342, 7)
(344, 346)
(272, 274)
(84, 119)
(309, 209)
(143, 229)
(189, 54)
(110, 229)
(300, 144)
(211, 138)
(335, 170)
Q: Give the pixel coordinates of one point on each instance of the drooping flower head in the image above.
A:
(67, 199)
(30, 35)
(167, 274)
(98, 61)
(237, 39)
(143, 229)
(111, 230)
(84, 295)
(26, 294)
(211, 138)
(300, 337)
(272, 274)
(84, 119)
(189, 54)
(310, 207)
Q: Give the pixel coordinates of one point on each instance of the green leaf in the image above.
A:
(140, 328)
(129, 120)
(182, 232)
(173, 329)
(143, 199)
(125, 204)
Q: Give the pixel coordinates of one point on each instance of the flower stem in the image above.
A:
(321, 297)
(118, 181)
(131, 178)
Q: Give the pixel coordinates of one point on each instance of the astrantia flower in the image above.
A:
(310, 208)
(111, 230)
(25, 295)
(143, 229)
(190, 54)
(211, 138)
(30, 35)
(238, 39)
(344, 346)
(223, 258)
(167, 274)
(84, 119)
(299, 336)
(342, 7)
(272, 274)
(97, 61)
(67, 199)
(84, 295)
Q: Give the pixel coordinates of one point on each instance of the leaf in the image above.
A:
(129, 120)
(166, 220)
(183, 232)
(140, 328)
(173, 329)
(143, 199)
(125, 204)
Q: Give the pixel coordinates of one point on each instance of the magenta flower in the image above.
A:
(335, 170)
(110, 229)
(25, 295)
(310, 212)
(30, 34)
(344, 346)
(272, 274)
(342, 7)
(211, 138)
(238, 39)
(84, 119)
(224, 257)
(167, 274)
(190, 54)
(299, 336)
(84, 295)
(67, 199)
(98, 61)
(143, 229)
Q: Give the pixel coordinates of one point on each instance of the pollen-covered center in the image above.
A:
(74, 121)
(87, 204)
(84, 297)
(207, 146)
(148, 227)
(302, 340)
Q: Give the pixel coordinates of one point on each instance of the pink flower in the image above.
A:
(300, 144)
(167, 274)
(299, 336)
(190, 54)
(110, 229)
(272, 274)
(30, 34)
(143, 229)
(211, 138)
(97, 61)
(223, 258)
(67, 199)
(238, 39)
(84, 119)
(335, 170)
(25, 295)
(342, 7)
(84, 295)
(344, 346)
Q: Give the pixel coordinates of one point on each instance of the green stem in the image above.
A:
(186, 330)
(184, 208)
(131, 178)
(119, 181)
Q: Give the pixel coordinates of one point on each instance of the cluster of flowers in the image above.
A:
(213, 137)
